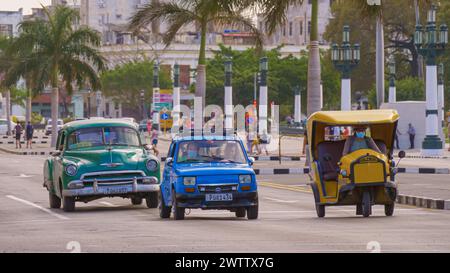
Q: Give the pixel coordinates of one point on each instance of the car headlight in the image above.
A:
(71, 170)
(189, 181)
(151, 165)
(246, 178)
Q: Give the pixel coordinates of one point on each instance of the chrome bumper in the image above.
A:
(113, 188)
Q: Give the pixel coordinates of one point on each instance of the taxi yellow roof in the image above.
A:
(355, 117)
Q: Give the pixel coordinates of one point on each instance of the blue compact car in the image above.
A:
(208, 172)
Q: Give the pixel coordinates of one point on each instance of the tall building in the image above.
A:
(297, 29)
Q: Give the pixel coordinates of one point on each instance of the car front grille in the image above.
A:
(112, 177)
(217, 188)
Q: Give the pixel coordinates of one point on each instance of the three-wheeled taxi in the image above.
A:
(351, 159)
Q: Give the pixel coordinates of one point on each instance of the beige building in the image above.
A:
(297, 28)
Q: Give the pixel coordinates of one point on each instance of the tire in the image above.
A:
(136, 200)
(68, 203)
(241, 212)
(55, 201)
(320, 209)
(366, 204)
(389, 209)
(178, 213)
(164, 211)
(252, 212)
(151, 200)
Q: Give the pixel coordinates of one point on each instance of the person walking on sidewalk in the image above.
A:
(154, 139)
(18, 130)
(264, 141)
(412, 135)
(29, 130)
(397, 133)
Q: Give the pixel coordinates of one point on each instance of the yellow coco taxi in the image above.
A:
(352, 161)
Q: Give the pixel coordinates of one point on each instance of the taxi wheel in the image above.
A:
(55, 201)
(320, 209)
(389, 209)
(252, 212)
(240, 212)
(178, 213)
(152, 200)
(68, 203)
(164, 211)
(136, 200)
(366, 204)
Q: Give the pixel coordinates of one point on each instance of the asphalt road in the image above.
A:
(287, 223)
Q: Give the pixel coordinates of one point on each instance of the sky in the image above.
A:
(13, 5)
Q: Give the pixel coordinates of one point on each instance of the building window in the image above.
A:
(290, 28)
(6, 30)
(301, 28)
(309, 27)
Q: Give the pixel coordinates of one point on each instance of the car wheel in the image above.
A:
(389, 209)
(68, 203)
(136, 200)
(164, 211)
(320, 210)
(366, 204)
(55, 201)
(241, 212)
(152, 200)
(252, 212)
(178, 213)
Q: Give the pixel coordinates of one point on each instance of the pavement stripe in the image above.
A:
(38, 207)
(279, 201)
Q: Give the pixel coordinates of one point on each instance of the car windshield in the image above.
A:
(93, 137)
(205, 151)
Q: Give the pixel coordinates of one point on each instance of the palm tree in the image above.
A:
(54, 51)
(202, 13)
(275, 15)
(5, 64)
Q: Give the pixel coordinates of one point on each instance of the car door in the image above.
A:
(58, 167)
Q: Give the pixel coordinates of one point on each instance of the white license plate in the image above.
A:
(115, 190)
(219, 197)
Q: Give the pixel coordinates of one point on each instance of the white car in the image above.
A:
(48, 127)
(4, 126)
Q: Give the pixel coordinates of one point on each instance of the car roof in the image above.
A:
(81, 124)
(205, 137)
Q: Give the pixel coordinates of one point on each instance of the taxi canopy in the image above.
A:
(382, 124)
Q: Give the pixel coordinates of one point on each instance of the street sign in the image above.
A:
(165, 116)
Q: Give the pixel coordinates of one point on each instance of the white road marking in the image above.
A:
(38, 207)
(24, 175)
(279, 201)
(108, 204)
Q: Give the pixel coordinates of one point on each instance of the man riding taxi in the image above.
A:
(359, 140)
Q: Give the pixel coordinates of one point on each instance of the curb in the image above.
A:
(24, 153)
(23, 142)
(281, 171)
(423, 202)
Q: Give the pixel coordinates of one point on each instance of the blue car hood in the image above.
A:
(197, 169)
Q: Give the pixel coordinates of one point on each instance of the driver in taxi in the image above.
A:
(191, 153)
(359, 141)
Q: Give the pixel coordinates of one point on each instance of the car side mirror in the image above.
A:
(252, 160)
(169, 161)
(401, 154)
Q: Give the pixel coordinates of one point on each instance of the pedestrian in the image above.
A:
(18, 130)
(255, 143)
(264, 141)
(412, 135)
(29, 130)
(249, 143)
(154, 139)
(397, 133)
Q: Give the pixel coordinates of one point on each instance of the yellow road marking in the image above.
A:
(285, 187)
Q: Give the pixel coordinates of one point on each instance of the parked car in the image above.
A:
(208, 172)
(48, 127)
(4, 126)
(101, 158)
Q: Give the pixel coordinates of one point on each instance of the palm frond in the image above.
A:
(275, 12)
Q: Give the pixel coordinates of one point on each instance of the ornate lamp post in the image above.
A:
(143, 114)
(345, 58)
(156, 98)
(176, 98)
(297, 105)
(430, 47)
(228, 95)
(263, 98)
(392, 88)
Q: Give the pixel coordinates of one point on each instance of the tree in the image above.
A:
(407, 89)
(59, 52)
(125, 82)
(203, 13)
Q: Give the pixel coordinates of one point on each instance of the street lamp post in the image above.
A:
(156, 97)
(228, 95)
(392, 88)
(430, 48)
(297, 105)
(176, 97)
(263, 97)
(345, 58)
(441, 91)
(143, 113)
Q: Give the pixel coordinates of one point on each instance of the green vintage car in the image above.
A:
(101, 158)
